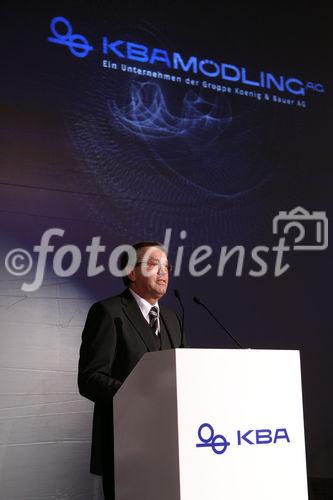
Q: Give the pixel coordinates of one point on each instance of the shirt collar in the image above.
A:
(143, 304)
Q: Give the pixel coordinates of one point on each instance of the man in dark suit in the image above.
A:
(117, 333)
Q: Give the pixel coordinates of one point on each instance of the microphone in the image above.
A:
(177, 295)
(197, 301)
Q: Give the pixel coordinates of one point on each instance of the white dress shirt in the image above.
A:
(145, 307)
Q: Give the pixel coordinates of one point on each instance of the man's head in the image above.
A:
(149, 278)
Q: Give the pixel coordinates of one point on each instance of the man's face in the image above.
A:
(150, 276)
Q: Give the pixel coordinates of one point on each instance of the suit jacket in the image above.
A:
(114, 338)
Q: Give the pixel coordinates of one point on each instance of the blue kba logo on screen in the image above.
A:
(219, 443)
(62, 32)
(122, 50)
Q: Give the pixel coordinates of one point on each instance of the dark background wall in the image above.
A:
(102, 152)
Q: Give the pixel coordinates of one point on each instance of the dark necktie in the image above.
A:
(153, 319)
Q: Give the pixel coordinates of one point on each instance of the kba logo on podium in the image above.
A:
(219, 443)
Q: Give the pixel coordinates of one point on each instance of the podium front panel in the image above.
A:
(240, 425)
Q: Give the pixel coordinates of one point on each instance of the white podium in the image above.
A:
(210, 424)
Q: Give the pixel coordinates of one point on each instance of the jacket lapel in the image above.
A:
(134, 315)
(165, 322)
